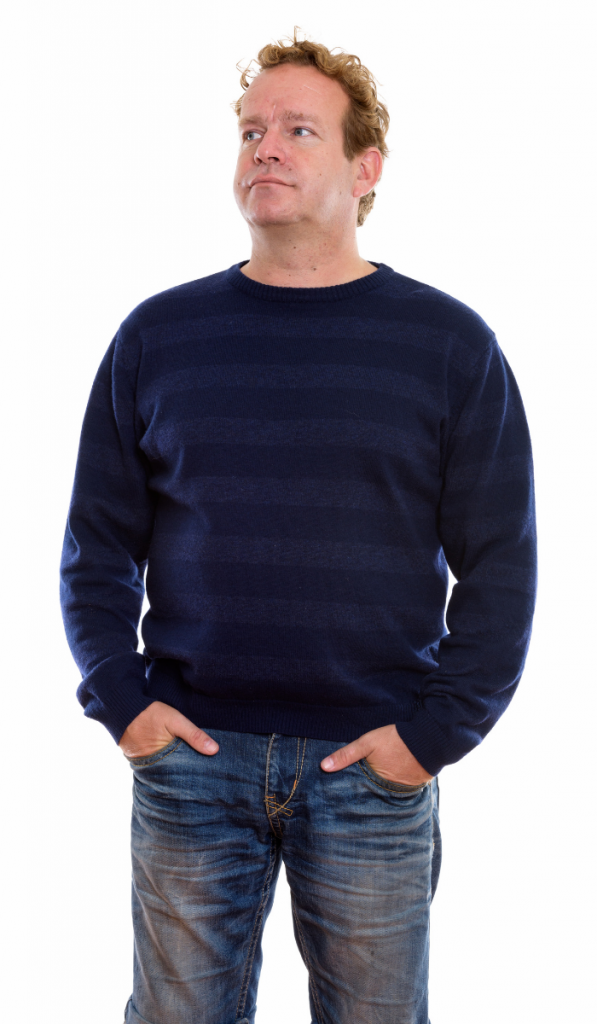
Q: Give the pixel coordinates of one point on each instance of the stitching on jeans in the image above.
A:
(244, 988)
(278, 822)
(133, 760)
(270, 797)
(307, 960)
(415, 789)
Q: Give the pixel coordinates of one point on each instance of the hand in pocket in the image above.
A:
(157, 726)
(386, 753)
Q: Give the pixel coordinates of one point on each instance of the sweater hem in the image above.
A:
(315, 721)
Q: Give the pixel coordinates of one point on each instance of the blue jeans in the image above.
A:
(209, 833)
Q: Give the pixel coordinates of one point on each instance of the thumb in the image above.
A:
(344, 756)
(179, 725)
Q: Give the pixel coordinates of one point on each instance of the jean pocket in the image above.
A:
(159, 755)
(400, 788)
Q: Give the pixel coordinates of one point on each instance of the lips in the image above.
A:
(267, 181)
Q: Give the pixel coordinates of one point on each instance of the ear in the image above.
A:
(368, 166)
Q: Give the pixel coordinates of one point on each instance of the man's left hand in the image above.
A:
(387, 754)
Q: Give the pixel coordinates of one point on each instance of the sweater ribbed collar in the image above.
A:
(330, 293)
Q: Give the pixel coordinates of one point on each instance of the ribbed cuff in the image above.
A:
(427, 742)
(114, 693)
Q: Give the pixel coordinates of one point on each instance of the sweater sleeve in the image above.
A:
(106, 541)
(486, 522)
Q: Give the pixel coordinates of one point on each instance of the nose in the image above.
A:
(270, 148)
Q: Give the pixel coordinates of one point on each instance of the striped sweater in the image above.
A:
(288, 473)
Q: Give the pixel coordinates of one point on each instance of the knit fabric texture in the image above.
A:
(288, 473)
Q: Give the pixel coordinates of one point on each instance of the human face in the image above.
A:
(291, 165)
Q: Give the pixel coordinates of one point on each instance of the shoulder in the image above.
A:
(457, 327)
(181, 302)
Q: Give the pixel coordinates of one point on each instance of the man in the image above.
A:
(296, 449)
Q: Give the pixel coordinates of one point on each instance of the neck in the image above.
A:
(293, 262)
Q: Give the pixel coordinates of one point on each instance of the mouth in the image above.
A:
(273, 181)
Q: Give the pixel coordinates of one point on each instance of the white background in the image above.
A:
(118, 184)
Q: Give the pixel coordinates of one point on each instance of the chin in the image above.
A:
(262, 209)
(265, 218)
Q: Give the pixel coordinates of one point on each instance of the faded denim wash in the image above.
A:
(209, 834)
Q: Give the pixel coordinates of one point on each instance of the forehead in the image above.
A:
(285, 89)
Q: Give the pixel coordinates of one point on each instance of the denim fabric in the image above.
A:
(362, 858)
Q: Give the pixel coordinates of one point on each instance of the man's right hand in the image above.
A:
(155, 727)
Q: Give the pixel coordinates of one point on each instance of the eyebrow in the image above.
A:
(286, 115)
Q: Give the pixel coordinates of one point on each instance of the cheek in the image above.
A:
(243, 163)
(329, 184)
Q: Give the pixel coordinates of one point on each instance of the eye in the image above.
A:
(302, 130)
(247, 134)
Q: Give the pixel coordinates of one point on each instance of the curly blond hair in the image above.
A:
(367, 119)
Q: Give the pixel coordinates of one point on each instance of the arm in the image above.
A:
(486, 523)
(104, 555)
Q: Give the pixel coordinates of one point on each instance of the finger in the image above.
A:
(344, 756)
(197, 738)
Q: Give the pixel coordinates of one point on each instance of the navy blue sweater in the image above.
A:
(296, 468)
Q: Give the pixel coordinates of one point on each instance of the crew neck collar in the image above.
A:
(329, 293)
